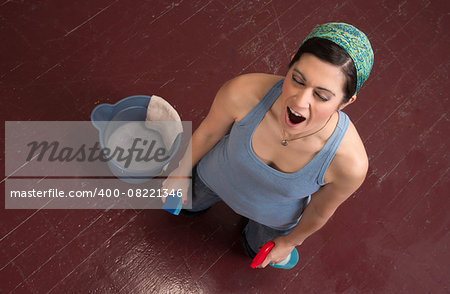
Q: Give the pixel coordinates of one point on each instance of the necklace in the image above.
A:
(285, 142)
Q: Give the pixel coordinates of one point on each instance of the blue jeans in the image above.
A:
(256, 234)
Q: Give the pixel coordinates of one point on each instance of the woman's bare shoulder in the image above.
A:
(255, 81)
(245, 91)
(351, 161)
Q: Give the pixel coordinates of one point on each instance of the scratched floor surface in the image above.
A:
(59, 59)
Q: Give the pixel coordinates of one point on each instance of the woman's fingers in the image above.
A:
(277, 254)
(266, 261)
(176, 186)
(269, 259)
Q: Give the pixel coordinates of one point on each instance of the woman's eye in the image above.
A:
(298, 80)
(321, 97)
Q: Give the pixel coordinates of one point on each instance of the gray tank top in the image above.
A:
(255, 190)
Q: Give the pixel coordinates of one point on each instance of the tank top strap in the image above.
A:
(329, 150)
(257, 113)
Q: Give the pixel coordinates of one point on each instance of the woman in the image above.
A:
(278, 150)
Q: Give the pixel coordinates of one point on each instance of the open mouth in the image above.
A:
(293, 117)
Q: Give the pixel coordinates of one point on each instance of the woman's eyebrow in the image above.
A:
(320, 88)
(300, 73)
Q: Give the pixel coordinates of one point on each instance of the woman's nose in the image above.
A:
(303, 98)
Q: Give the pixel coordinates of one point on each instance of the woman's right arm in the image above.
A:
(221, 116)
(225, 109)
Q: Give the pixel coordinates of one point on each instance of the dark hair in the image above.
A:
(331, 52)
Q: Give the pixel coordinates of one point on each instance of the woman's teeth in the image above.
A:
(294, 113)
(294, 117)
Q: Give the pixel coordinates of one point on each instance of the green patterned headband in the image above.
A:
(353, 41)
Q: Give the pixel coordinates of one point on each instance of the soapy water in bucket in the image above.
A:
(148, 145)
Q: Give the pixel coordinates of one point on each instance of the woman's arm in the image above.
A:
(230, 103)
(211, 129)
(322, 206)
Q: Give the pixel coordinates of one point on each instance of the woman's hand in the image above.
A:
(176, 181)
(279, 252)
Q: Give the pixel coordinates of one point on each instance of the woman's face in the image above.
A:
(312, 91)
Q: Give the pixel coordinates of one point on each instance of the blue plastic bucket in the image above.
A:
(133, 108)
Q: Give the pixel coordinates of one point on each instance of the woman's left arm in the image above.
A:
(323, 204)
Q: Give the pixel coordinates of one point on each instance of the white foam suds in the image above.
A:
(127, 133)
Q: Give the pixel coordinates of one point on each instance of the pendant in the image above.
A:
(284, 142)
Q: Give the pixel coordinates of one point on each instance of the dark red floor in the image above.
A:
(59, 59)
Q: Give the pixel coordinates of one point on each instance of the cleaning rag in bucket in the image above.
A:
(159, 110)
